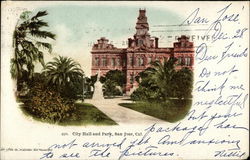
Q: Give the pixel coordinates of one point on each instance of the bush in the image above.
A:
(48, 105)
(110, 89)
(146, 94)
(112, 82)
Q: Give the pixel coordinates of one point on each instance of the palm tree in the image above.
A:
(28, 40)
(63, 72)
(162, 75)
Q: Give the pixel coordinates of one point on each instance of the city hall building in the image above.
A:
(142, 49)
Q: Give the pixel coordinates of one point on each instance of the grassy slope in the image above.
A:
(172, 111)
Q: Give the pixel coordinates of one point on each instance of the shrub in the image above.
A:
(48, 105)
(146, 94)
(110, 89)
(112, 81)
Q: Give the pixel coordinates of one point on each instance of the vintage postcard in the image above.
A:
(124, 80)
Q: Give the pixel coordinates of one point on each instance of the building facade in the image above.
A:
(142, 49)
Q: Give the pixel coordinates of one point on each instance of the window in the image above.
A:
(96, 61)
(131, 78)
(182, 44)
(131, 61)
(113, 62)
(123, 63)
(118, 61)
(188, 61)
(140, 42)
(142, 62)
(156, 59)
(149, 60)
(104, 61)
(165, 59)
(179, 60)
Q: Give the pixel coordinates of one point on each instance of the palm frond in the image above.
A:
(44, 45)
(63, 71)
(39, 14)
(35, 25)
(42, 34)
(40, 58)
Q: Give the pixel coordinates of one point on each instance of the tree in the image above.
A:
(148, 89)
(27, 42)
(162, 75)
(110, 89)
(113, 81)
(162, 81)
(183, 83)
(64, 74)
(117, 76)
(90, 85)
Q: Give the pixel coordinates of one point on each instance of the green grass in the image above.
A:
(87, 114)
(171, 111)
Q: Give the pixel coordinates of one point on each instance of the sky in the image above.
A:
(77, 27)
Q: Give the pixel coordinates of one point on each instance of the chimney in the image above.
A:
(156, 42)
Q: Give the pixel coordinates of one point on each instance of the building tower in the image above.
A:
(141, 38)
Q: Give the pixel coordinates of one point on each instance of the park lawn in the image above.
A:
(171, 111)
(87, 115)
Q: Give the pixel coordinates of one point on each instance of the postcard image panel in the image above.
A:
(124, 80)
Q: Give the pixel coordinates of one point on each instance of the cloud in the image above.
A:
(67, 45)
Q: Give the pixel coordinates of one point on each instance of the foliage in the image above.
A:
(146, 94)
(84, 114)
(110, 89)
(28, 42)
(162, 76)
(90, 86)
(162, 81)
(112, 81)
(91, 81)
(116, 76)
(64, 75)
(183, 83)
(46, 104)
